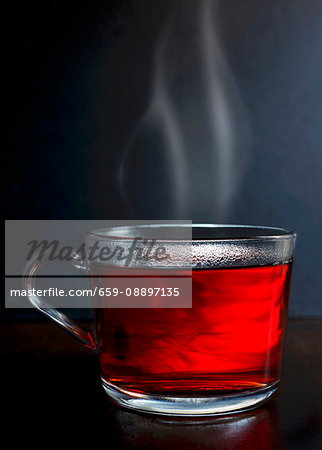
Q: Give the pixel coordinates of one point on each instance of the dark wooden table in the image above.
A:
(51, 394)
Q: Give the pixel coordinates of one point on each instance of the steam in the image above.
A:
(189, 152)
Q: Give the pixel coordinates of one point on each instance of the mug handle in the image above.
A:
(85, 336)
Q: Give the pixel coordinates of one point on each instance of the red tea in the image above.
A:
(228, 342)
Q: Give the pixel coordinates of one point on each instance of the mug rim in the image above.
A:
(278, 233)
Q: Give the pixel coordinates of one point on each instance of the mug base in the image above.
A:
(189, 406)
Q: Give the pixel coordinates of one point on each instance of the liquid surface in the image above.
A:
(228, 342)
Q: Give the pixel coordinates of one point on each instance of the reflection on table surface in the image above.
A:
(257, 429)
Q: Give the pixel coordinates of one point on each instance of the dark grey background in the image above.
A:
(80, 80)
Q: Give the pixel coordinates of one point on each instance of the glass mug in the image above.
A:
(224, 353)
